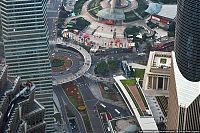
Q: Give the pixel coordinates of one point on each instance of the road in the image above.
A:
(67, 127)
(62, 97)
(110, 106)
(90, 102)
(52, 14)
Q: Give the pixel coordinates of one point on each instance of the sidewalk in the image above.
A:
(97, 93)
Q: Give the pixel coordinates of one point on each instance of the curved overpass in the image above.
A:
(60, 79)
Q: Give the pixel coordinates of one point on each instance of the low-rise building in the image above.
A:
(162, 15)
(157, 73)
(19, 111)
(136, 102)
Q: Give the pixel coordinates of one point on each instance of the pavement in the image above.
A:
(104, 34)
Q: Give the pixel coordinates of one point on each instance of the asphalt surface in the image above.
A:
(62, 97)
(67, 127)
(77, 63)
(84, 85)
(90, 102)
(52, 14)
(109, 107)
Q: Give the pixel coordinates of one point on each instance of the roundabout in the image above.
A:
(60, 63)
(69, 62)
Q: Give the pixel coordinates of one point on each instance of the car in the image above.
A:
(117, 111)
(104, 106)
(141, 54)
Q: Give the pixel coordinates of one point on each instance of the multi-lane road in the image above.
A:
(64, 101)
(90, 102)
(84, 85)
(52, 14)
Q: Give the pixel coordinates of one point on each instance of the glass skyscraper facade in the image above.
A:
(187, 42)
(25, 40)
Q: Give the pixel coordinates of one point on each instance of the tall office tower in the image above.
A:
(187, 43)
(184, 90)
(25, 40)
(184, 96)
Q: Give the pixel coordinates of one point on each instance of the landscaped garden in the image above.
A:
(136, 95)
(76, 99)
(139, 73)
(104, 68)
(78, 6)
(60, 63)
(152, 25)
(142, 6)
(79, 24)
(94, 7)
(108, 91)
(134, 30)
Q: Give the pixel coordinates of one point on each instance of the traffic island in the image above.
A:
(75, 97)
(60, 63)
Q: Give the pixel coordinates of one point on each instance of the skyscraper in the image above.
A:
(183, 104)
(25, 40)
(184, 90)
(187, 43)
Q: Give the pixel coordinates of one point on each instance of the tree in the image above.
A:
(136, 45)
(113, 64)
(102, 68)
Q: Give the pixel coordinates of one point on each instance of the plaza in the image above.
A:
(108, 22)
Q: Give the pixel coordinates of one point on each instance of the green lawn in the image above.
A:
(128, 82)
(73, 101)
(142, 6)
(139, 73)
(87, 122)
(57, 62)
(163, 61)
(78, 6)
(94, 7)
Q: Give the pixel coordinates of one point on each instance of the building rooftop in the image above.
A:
(158, 63)
(161, 61)
(187, 91)
(145, 120)
(111, 14)
(126, 124)
(168, 11)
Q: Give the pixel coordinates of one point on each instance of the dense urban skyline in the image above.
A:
(25, 40)
(99, 66)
